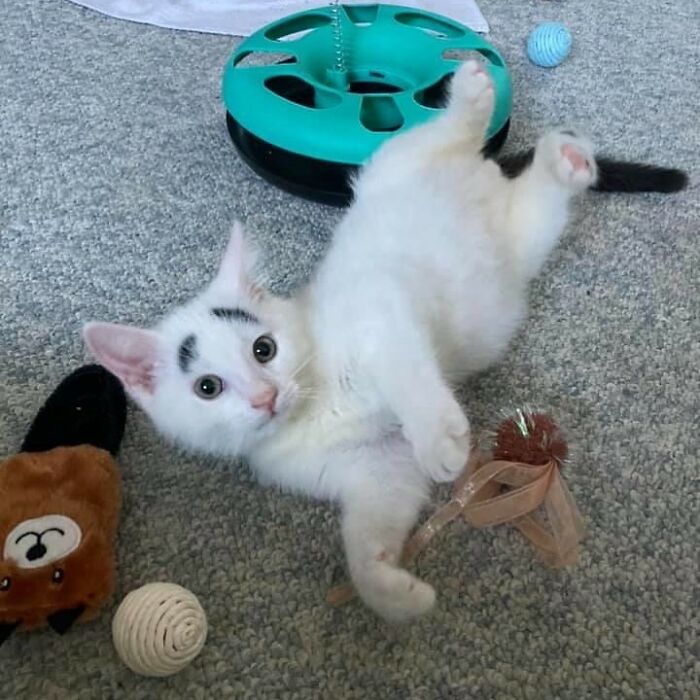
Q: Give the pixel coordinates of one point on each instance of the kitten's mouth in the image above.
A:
(269, 420)
(277, 410)
(269, 412)
(267, 402)
(269, 415)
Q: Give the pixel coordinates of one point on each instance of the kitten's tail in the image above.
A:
(621, 176)
(613, 175)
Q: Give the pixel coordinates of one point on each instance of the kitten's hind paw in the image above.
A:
(472, 91)
(568, 157)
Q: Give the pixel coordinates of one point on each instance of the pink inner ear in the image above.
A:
(129, 353)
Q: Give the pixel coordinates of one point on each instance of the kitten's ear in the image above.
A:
(236, 270)
(131, 354)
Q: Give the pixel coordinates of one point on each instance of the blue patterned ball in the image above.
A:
(549, 44)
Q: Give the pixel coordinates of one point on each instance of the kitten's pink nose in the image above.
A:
(265, 400)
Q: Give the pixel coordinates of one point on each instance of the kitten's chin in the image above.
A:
(273, 421)
(265, 430)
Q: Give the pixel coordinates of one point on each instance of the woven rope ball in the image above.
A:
(549, 44)
(158, 629)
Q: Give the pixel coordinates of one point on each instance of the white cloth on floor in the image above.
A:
(243, 17)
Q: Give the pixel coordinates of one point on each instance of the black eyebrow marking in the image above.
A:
(234, 315)
(187, 352)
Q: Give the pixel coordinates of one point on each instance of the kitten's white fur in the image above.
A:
(424, 282)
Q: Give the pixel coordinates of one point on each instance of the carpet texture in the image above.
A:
(118, 185)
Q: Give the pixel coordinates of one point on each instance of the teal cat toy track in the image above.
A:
(310, 97)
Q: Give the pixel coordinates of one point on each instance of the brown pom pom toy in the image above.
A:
(531, 437)
(516, 476)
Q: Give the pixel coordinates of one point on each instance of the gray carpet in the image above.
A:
(117, 185)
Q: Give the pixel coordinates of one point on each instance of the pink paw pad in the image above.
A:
(481, 71)
(574, 156)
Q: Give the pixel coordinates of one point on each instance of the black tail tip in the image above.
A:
(619, 176)
(672, 180)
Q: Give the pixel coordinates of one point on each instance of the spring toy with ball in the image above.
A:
(310, 97)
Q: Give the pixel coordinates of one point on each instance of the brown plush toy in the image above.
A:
(59, 507)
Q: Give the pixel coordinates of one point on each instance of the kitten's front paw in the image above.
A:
(443, 450)
(569, 157)
(396, 595)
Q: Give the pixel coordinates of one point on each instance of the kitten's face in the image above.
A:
(228, 374)
(221, 372)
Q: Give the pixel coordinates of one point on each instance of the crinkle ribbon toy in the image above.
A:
(519, 476)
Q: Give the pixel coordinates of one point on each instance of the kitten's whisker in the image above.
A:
(308, 394)
(302, 365)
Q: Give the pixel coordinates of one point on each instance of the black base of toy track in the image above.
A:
(311, 178)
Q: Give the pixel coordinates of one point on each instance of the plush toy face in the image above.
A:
(57, 524)
(40, 541)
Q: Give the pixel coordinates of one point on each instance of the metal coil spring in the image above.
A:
(338, 43)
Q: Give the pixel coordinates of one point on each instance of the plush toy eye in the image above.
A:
(208, 387)
(5, 584)
(264, 349)
(58, 575)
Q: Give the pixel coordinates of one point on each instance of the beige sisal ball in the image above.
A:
(158, 629)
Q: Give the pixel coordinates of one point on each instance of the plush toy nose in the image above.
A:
(36, 551)
(265, 400)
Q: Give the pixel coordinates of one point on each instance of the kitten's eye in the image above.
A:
(208, 387)
(57, 576)
(5, 584)
(264, 349)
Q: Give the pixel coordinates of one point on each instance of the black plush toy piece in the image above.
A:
(87, 408)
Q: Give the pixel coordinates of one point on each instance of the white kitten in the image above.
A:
(344, 392)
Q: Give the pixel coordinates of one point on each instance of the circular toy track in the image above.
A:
(311, 178)
(310, 97)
